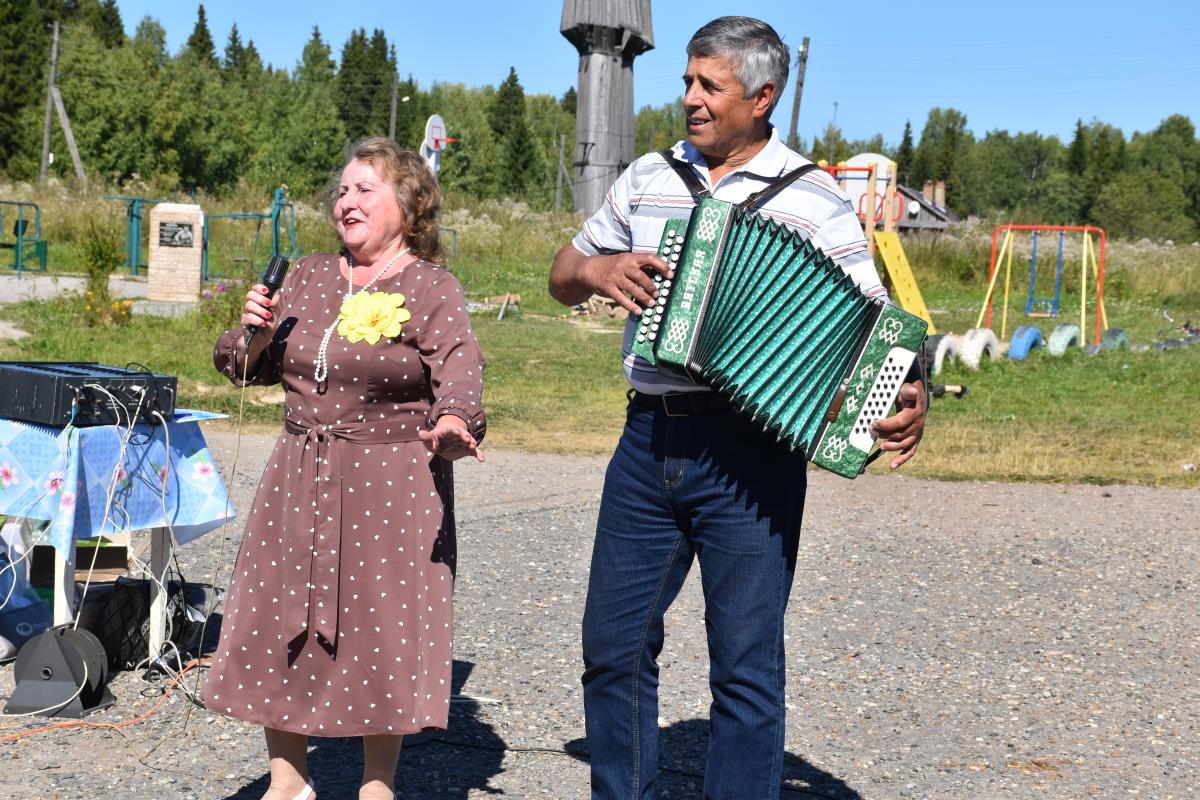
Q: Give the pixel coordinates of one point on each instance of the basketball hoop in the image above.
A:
(435, 142)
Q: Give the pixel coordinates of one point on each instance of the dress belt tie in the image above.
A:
(318, 586)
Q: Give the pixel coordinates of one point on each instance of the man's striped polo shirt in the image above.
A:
(650, 192)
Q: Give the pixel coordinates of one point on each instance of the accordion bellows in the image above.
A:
(762, 316)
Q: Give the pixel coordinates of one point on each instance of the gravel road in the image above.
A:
(945, 640)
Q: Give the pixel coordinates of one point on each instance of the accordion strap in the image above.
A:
(775, 187)
(700, 191)
(687, 175)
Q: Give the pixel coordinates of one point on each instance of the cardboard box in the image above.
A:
(111, 562)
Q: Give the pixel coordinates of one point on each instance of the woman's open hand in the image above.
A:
(450, 439)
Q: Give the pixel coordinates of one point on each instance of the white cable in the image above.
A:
(110, 496)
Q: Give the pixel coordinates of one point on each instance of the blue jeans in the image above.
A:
(706, 487)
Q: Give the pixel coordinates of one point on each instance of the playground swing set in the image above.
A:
(880, 207)
(1091, 267)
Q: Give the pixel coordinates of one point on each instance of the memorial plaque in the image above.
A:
(176, 253)
(175, 234)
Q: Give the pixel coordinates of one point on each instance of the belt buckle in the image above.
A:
(689, 403)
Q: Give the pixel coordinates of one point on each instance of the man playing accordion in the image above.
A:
(690, 478)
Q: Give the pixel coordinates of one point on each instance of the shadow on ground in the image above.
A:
(683, 750)
(450, 765)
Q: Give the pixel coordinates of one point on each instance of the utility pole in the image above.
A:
(563, 172)
(801, 63)
(832, 130)
(49, 105)
(392, 115)
(65, 121)
(558, 180)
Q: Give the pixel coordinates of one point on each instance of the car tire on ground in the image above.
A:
(975, 343)
(1062, 337)
(946, 351)
(1024, 340)
(1114, 339)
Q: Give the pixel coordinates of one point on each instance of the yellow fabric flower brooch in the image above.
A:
(369, 316)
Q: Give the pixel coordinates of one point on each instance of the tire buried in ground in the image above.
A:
(975, 344)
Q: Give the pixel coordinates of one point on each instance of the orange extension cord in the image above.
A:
(113, 725)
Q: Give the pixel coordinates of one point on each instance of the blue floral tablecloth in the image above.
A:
(65, 475)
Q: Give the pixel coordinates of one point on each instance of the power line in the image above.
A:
(950, 97)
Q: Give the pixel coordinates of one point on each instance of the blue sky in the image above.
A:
(1018, 65)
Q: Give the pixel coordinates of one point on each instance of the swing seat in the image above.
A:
(1044, 307)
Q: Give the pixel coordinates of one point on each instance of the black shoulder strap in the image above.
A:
(772, 189)
(687, 175)
(700, 191)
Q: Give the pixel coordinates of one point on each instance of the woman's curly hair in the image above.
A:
(414, 185)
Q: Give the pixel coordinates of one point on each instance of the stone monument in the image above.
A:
(176, 247)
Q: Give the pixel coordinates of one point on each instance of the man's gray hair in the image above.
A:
(751, 48)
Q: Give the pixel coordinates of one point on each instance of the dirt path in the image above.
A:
(948, 640)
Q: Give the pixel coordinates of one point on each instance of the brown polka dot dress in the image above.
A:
(339, 616)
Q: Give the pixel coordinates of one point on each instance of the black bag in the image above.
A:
(125, 623)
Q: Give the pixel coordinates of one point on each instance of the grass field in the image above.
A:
(555, 385)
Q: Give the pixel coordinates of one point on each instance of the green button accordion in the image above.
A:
(762, 316)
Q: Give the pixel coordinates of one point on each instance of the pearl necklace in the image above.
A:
(321, 367)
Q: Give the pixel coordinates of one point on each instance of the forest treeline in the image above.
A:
(211, 117)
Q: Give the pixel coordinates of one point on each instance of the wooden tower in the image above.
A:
(608, 34)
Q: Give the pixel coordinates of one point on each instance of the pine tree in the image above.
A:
(508, 105)
(522, 165)
(904, 156)
(24, 50)
(381, 72)
(410, 114)
(1106, 157)
(252, 64)
(105, 19)
(1077, 153)
(364, 83)
(351, 78)
(200, 43)
(312, 137)
(235, 54)
(569, 100)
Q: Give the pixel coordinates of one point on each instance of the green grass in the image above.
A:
(1116, 417)
(555, 385)
(552, 385)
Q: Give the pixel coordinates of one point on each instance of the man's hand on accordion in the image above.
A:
(624, 277)
(902, 431)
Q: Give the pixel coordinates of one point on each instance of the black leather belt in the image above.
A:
(680, 404)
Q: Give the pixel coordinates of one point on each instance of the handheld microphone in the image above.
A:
(272, 279)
